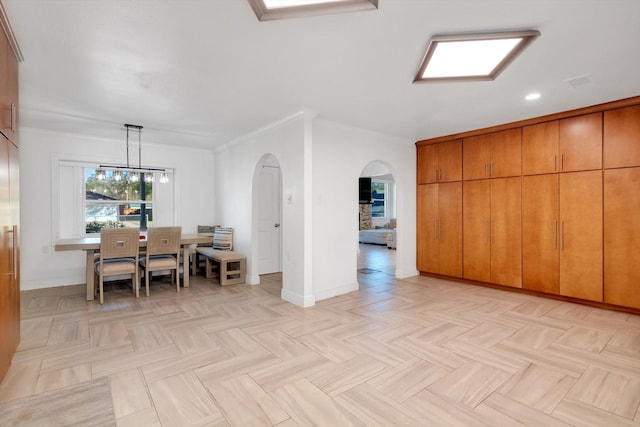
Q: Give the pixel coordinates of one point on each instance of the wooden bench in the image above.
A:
(229, 266)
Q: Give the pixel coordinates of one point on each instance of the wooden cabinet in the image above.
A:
(540, 251)
(9, 207)
(562, 234)
(580, 143)
(440, 162)
(492, 155)
(580, 235)
(506, 231)
(567, 145)
(492, 231)
(622, 237)
(439, 228)
(540, 148)
(551, 206)
(9, 255)
(621, 138)
(8, 91)
(476, 217)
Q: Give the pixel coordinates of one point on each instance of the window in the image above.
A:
(112, 204)
(378, 195)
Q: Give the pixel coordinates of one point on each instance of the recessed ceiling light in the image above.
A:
(532, 96)
(472, 57)
(267, 10)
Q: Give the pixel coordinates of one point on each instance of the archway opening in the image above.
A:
(377, 225)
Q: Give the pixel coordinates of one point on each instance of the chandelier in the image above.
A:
(135, 172)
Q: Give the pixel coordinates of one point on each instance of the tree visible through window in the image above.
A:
(378, 197)
(114, 204)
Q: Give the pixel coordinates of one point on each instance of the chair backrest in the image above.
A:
(119, 243)
(163, 240)
(223, 238)
(206, 230)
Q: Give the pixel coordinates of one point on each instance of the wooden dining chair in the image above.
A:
(118, 255)
(163, 253)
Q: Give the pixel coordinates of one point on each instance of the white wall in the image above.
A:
(340, 153)
(43, 267)
(235, 171)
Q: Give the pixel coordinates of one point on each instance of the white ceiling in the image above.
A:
(204, 72)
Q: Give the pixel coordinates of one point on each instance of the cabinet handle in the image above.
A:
(555, 234)
(486, 231)
(491, 169)
(555, 162)
(14, 250)
(486, 167)
(562, 162)
(13, 115)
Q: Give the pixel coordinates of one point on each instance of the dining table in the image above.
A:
(91, 245)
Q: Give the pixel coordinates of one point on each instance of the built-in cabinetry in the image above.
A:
(550, 205)
(9, 206)
(440, 162)
(439, 230)
(492, 238)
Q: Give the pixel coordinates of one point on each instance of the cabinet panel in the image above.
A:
(581, 267)
(506, 153)
(580, 143)
(5, 95)
(450, 228)
(450, 161)
(540, 251)
(476, 222)
(426, 228)
(427, 164)
(540, 148)
(476, 156)
(506, 231)
(622, 237)
(622, 137)
(12, 76)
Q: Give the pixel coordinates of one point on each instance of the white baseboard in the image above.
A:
(299, 300)
(333, 292)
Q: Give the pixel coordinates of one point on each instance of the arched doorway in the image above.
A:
(377, 228)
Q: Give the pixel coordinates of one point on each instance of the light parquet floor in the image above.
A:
(413, 352)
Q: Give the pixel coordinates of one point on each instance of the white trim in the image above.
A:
(296, 299)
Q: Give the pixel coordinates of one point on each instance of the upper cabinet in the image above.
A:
(440, 162)
(540, 148)
(493, 155)
(580, 143)
(8, 92)
(567, 145)
(622, 137)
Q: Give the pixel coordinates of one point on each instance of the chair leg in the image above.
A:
(178, 276)
(147, 273)
(101, 289)
(136, 284)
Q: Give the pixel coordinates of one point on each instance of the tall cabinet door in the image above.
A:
(427, 228)
(6, 303)
(450, 228)
(540, 245)
(622, 237)
(506, 231)
(476, 220)
(581, 235)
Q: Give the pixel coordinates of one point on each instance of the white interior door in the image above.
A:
(269, 220)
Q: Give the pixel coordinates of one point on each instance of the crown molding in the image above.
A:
(6, 26)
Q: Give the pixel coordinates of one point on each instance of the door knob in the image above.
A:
(276, 225)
